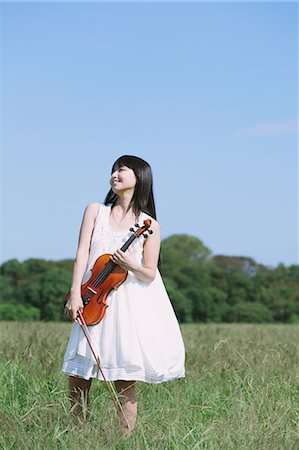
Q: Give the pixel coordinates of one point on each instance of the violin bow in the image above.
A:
(113, 395)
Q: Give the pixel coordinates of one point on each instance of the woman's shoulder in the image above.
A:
(94, 208)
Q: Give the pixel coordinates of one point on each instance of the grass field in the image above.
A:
(241, 391)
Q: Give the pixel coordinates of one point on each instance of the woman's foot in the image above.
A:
(126, 432)
(130, 412)
(79, 398)
(126, 391)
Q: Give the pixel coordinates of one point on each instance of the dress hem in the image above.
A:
(120, 374)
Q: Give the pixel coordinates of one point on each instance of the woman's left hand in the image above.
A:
(125, 260)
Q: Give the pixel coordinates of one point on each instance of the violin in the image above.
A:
(106, 275)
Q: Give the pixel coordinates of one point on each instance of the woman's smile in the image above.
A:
(127, 180)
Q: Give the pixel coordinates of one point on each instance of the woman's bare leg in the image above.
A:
(79, 397)
(127, 395)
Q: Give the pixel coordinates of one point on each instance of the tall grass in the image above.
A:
(241, 391)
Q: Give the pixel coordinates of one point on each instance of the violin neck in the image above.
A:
(128, 243)
(110, 265)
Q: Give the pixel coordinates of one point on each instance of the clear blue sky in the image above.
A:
(206, 92)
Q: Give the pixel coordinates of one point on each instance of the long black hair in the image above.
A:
(143, 197)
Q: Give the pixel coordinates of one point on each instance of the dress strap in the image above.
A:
(100, 213)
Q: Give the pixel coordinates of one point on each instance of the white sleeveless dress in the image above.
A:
(139, 337)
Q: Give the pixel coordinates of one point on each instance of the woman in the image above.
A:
(139, 338)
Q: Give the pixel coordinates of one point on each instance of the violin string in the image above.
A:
(102, 275)
(109, 266)
(100, 278)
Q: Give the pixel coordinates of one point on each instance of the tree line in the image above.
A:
(202, 287)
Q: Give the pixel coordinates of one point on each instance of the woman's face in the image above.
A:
(123, 178)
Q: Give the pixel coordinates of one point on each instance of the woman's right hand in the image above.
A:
(72, 306)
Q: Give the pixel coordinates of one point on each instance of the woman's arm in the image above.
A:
(151, 250)
(86, 230)
(80, 263)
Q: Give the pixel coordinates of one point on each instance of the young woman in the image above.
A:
(139, 338)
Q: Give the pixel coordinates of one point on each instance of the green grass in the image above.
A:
(241, 391)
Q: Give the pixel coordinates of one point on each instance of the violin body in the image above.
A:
(106, 275)
(94, 297)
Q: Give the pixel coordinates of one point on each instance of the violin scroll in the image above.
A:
(141, 230)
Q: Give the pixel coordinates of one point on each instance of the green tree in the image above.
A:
(14, 271)
(181, 303)
(10, 311)
(249, 312)
(6, 290)
(179, 249)
(54, 285)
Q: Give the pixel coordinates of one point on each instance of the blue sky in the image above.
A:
(205, 92)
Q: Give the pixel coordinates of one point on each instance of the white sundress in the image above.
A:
(139, 337)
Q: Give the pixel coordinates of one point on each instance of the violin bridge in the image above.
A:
(92, 290)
